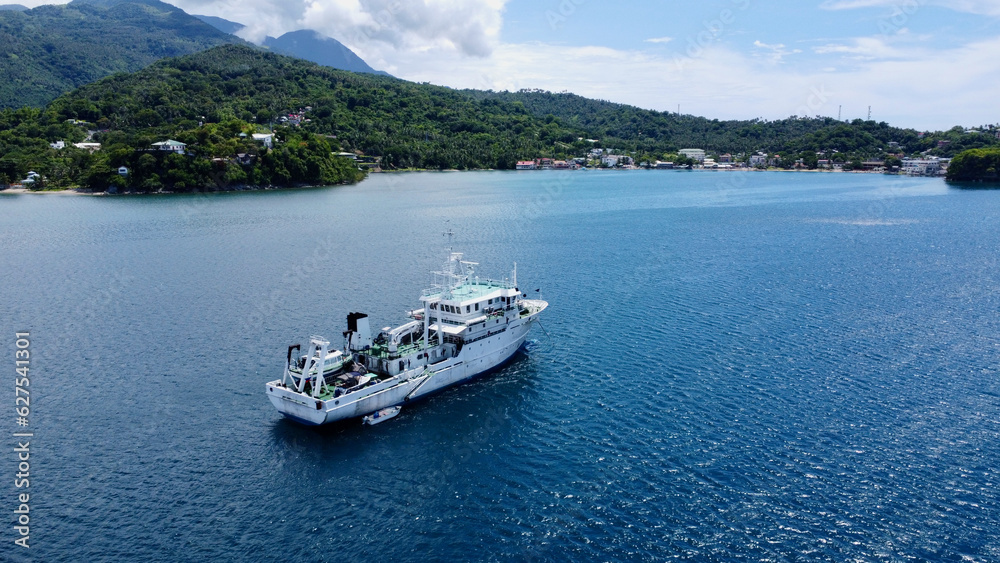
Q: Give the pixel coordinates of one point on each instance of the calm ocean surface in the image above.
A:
(734, 367)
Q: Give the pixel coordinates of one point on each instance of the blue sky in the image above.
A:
(927, 64)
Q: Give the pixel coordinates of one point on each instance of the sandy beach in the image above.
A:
(51, 192)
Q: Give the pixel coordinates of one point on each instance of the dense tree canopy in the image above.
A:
(645, 131)
(215, 100)
(52, 49)
(976, 165)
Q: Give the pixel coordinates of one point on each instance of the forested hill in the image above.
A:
(408, 124)
(650, 132)
(213, 100)
(426, 126)
(53, 49)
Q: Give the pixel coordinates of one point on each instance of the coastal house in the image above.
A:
(92, 147)
(613, 160)
(561, 165)
(545, 163)
(759, 159)
(694, 154)
(924, 166)
(170, 145)
(824, 163)
(726, 159)
(660, 165)
(526, 165)
(58, 145)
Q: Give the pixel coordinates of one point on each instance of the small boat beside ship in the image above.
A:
(466, 327)
(380, 416)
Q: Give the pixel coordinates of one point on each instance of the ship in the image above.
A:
(466, 327)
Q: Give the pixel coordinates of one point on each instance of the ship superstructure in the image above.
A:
(465, 327)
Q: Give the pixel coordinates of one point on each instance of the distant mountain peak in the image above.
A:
(221, 24)
(304, 44)
(313, 46)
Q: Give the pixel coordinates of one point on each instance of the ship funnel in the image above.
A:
(361, 332)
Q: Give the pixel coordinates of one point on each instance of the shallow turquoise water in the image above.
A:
(734, 366)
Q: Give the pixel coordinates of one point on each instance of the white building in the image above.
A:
(170, 145)
(924, 166)
(759, 159)
(58, 145)
(92, 147)
(526, 165)
(694, 154)
(266, 139)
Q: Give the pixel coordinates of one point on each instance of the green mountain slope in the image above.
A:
(214, 100)
(51, 50)
(312, 46)
(646, 131)
(408, 124)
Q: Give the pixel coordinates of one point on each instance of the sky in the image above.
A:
(926, 64)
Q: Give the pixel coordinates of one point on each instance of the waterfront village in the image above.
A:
(699, 159)
(265, 140)
(894, 159)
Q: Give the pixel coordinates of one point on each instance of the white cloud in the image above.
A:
(775, 53)
(34, 3)
(926, 90)
(983, 7)
(371, 27)
(866, 48)
(466, 26)
(659, 40)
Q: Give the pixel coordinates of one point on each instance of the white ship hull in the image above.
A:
(474, 358)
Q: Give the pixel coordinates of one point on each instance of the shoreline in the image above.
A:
(68, 191)
(77, 192)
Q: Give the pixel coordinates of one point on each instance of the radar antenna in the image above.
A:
(450, 234)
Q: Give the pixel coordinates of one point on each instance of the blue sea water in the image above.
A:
(733, 367)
